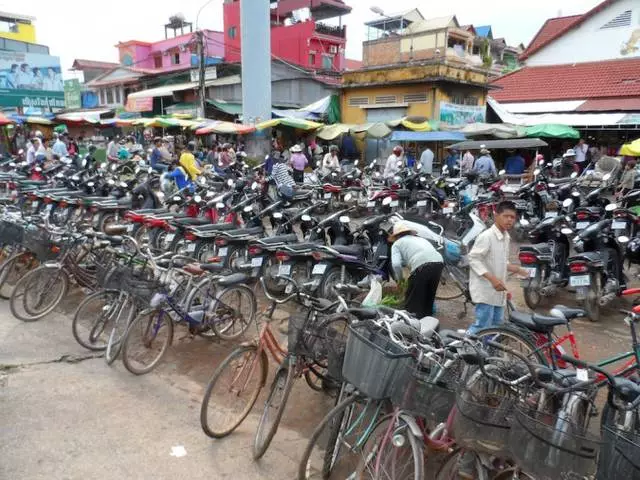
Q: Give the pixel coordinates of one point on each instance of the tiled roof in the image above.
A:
(622, 104)
(79, 64)
(608, 79)
(352, 64)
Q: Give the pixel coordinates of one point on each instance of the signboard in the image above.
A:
(455, 114)
(30, 80)
(72, 94)
(139, 104)
(210, 73)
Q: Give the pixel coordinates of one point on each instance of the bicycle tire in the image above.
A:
(369, 458)
(214, 431)
(11, 273)
(449, 468)
(25, 287)
(522, 336)
(127, 342)
(265, 432)
(90, 343)
(119, 329)
(447, 278)
(222, 307)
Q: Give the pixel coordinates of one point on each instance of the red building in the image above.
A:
(297, 35)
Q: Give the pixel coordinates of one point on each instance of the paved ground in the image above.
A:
(66, 415)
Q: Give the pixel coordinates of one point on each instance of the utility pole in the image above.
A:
(201, 86)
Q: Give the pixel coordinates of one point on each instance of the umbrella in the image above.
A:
(331, 132)
(631, 149)
(225, 128)
(4, 120)
(298, 123)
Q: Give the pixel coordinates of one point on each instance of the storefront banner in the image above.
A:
(30, 80)
(454, 114)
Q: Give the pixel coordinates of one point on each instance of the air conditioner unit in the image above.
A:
(333, 49)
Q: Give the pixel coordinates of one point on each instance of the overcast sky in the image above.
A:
(90, 29)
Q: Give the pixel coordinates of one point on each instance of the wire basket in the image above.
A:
(311, 343)
(430, 391)
(373, 363)
(620, 455)
(39, 242)
(484, 410)
(140, 284)
(551, 447)
(11, 233)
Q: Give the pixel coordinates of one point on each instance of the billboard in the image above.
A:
(455, 114)
(72, 93)
(30, 80)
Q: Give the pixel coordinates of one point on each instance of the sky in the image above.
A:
(91, 29)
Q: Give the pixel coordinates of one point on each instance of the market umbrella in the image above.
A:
(331, 132)
(225, 128)
(298, 123)
(631, 149)
(4, 120)
(373, 130)
(551, 130)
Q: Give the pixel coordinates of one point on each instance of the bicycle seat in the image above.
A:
(233, 279)
(322, 304)
(355, 250)
(626, 389)
(364, 313)
(564, 377)
(536, 323)
(567, 313)
(279, 239)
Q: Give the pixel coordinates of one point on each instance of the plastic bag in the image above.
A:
(375, 293)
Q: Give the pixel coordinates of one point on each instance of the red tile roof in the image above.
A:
(352, 64)
(622, 104)
(578, 81)
(556, 27)
(80, 64)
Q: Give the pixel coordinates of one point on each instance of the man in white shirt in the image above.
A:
(426, 159)
(489, 264)
(466, 165)
(31, 151)
(391, 167)
(581, 150)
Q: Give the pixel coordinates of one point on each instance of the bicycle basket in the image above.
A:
(141, 285)
(373, 363)
(39, 243)
(551, 447)
(620, 455)
(309, 344)
(483, 415)
(430, 391)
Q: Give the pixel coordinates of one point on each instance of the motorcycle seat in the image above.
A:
(539, 248)
(302, 195)
(353, 250)
(233, 279)
(403, 193)
(190, 221)
(536, 323)
(279, 239)
(364, 313)
(214, 227)
(149, 211)
(243, 232)
(302, 247)
(567, 313)
(370, 222)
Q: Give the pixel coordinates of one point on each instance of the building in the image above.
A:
(92, 69)
(297, 34)
(496, 54)
(414, 66)
(17, 27)
(581, 70)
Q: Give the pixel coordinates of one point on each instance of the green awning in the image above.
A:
(230, 108)
(551, 130)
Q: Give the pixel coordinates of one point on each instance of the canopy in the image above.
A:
(30, 119)
(417, 127)
(225, 128)
(330, 132)
(500, 144)
(226, 107)
(552, 130)
(373, 130)
(118, 122)
(416, 124)
(289, 122)
(4, 120)
(631, 149)
(498, 130)
(403, 136)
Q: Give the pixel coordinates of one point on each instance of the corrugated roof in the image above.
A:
(607, 79)
(79, 64)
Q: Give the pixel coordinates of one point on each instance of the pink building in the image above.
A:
(177, 53)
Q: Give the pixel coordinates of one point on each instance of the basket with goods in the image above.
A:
(373, 363)
(620, 454)
(550, 446)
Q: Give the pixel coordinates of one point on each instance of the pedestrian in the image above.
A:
(224, 160)
(466, 165)
(90, 158)
(298, 162)
(489, 264)
(484, 164)
(123, 151)
(112, 150)
(32, 150)
(451, 161)
(426, 161)
(581, 150)
(188, 161)
(331, 162)
(569, 165)
(514, 165)
(179, 175)
(155, 159)
(394, 163)
(73, 148)
(284, 181)
(425, 263)
(59, 147)
(628, 179)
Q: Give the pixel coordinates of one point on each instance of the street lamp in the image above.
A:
(377, 10)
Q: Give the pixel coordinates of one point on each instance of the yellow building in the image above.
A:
(17, 27)
(433, 89)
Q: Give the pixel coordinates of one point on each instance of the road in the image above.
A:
(67, 415)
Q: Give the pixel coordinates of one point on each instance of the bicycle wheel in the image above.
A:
(12, 270)
(391, 452)
(123, 311)
(456, 461)
(93, 317)
(199, 305)
(38, 293)
(233, 390)
(147, 341)
(520, 341)
(273, 408)
(448, 288)
(333, 451)
(232, 312)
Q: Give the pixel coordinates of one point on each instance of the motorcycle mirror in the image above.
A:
(75, 178)
(541, 162)
(197, 199)
(611, 207)
(277, 215)
(176, 198)
(344, 219)
(248, 209)
(567, 203)
(377, 174)
(111, 181)
(566, 231)
(348, 197)
(606, 177)
(575, 194)
(12, 164)
(502, 172)
(84, 162)
(524, 222)
(230, 183)
(386, 201)
(536, 171)
(623, 239)
(423, 179)
(90, 184)
(305, 218)
(210, 194)
(574, 175)
(219, 205)
(123, 184)
(254, 185)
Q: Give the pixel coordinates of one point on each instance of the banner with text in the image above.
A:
(454, 114)
(72, 93)
(30, 80)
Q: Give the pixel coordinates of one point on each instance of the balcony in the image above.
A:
(331, 31)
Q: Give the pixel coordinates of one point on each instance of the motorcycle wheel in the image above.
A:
(330, 280)
(592, 301)
(532, 295)
(106, 219)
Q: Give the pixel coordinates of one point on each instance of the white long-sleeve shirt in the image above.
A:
(413, 252)
(391, 167)
(490, 253)
(330, 163)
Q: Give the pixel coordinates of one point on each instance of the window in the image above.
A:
(382, 99)
(457, 99)
(157, 61)
(312, 59)
(176, 58)
(109, 96)
(415, 97)
(471, 100)
(15, 46)
(103, 100)
(327, 62)
(8, 26)
(233, 31)
(358, 101)
(118, 97)
(622, 20)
